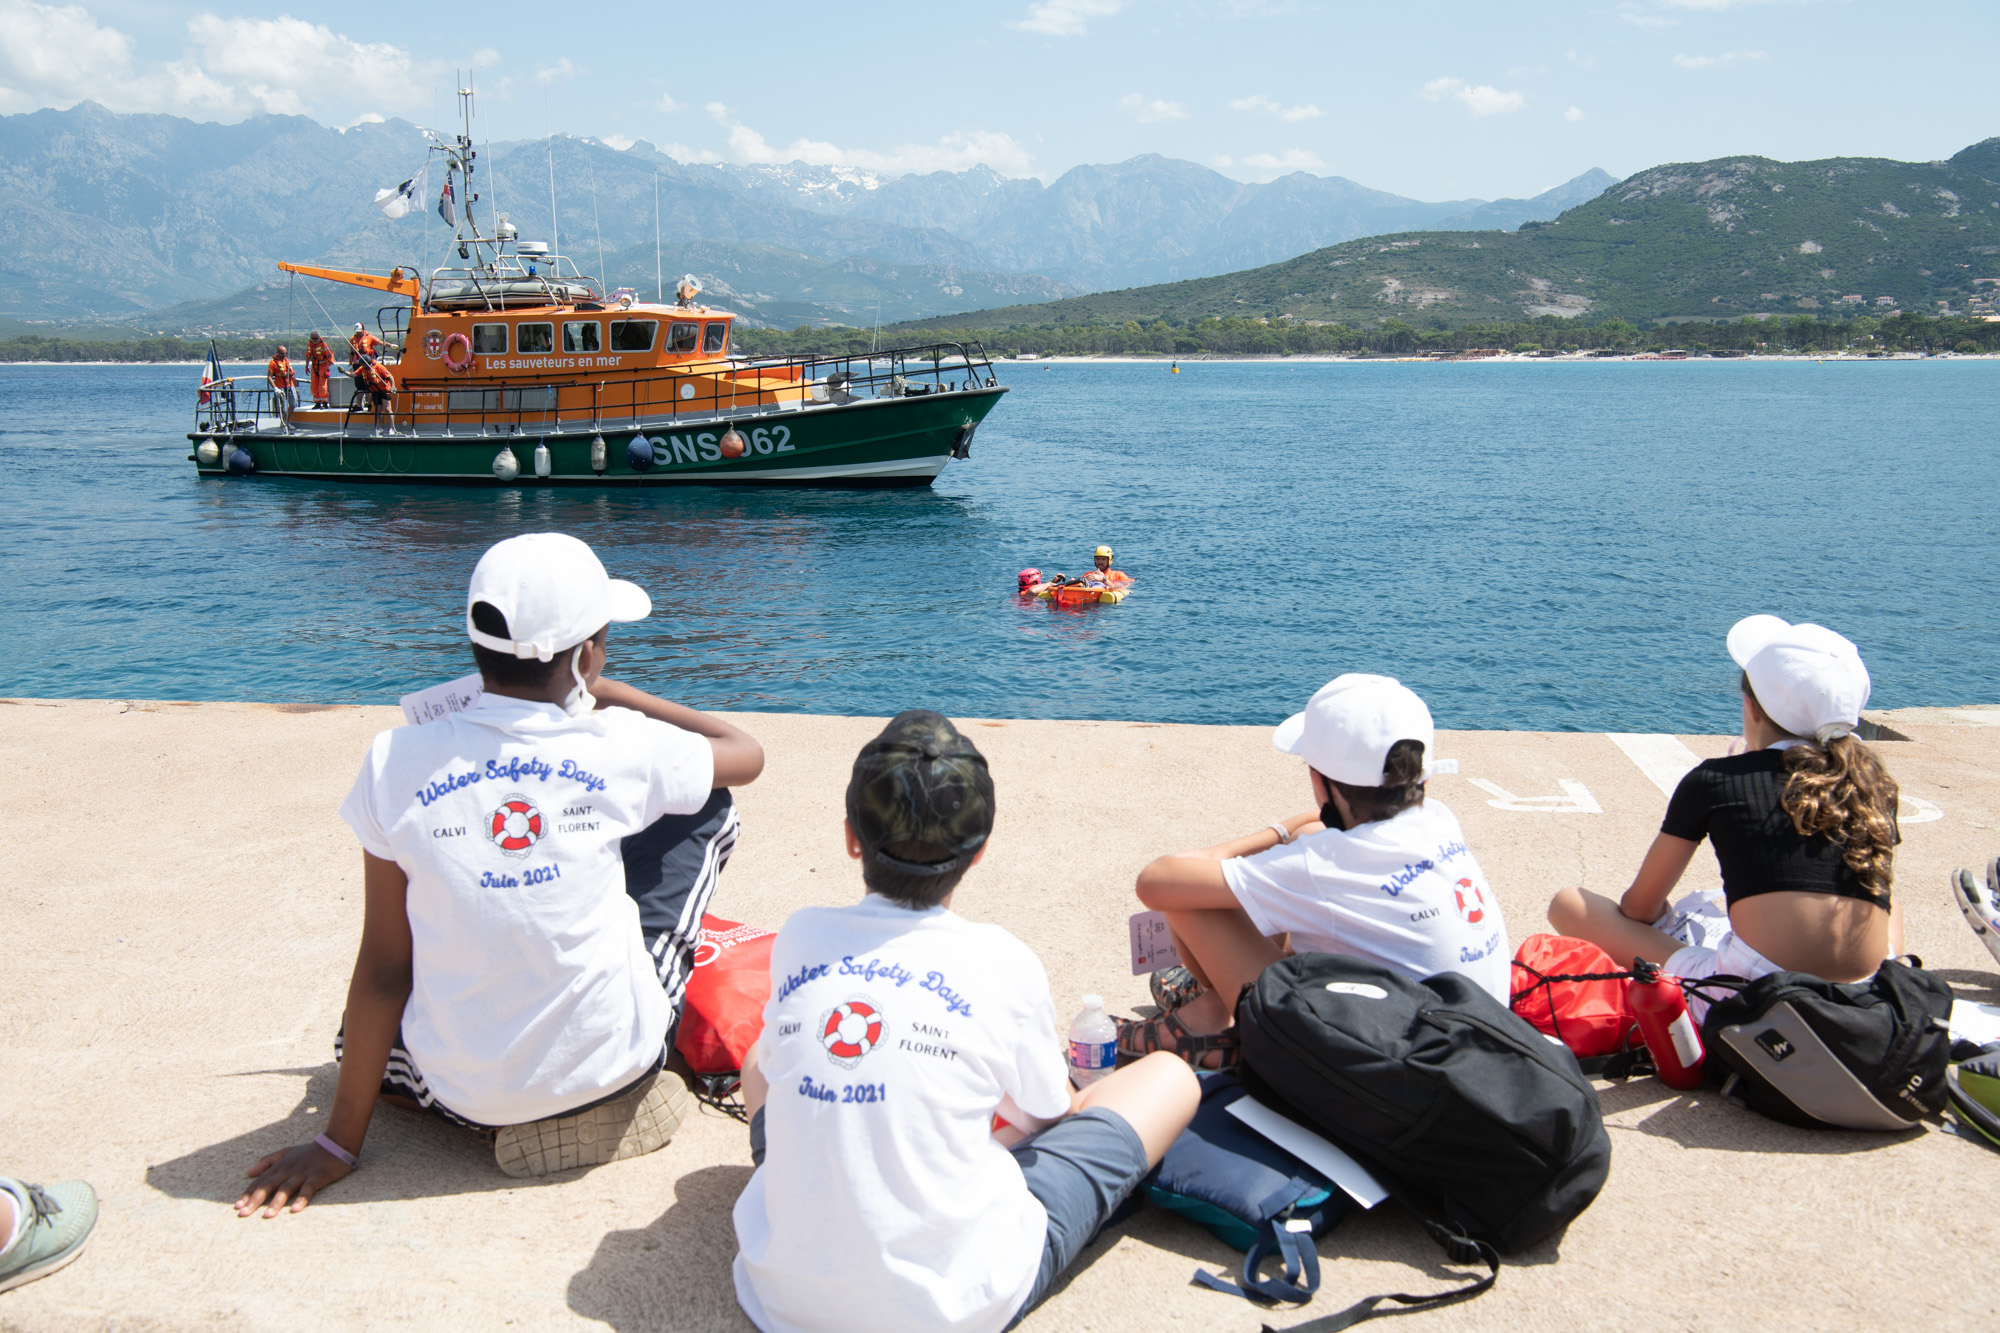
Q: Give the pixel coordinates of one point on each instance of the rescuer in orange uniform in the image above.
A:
(319, 364)
(284, 382)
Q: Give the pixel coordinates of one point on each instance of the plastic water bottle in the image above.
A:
(1093, 1043)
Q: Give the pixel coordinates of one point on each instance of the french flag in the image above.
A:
(211, 373)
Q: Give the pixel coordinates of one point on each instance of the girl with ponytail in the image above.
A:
(1803, 823)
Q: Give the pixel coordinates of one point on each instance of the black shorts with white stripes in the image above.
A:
(671, 870)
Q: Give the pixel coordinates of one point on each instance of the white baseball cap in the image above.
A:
(1346, 731)
(554, 592)
(1809, 680)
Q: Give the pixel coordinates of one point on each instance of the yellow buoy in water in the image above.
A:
(1174, 369)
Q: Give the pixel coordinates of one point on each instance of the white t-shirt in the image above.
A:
(532, 991)
(1403, 892)
(884, 1203)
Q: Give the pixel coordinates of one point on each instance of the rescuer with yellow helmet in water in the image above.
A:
(1104, 574)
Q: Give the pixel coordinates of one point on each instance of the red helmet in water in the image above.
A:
(1029, 578)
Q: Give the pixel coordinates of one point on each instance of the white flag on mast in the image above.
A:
(396, 200)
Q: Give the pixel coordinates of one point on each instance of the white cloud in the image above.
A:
(56, 55)
(1573, 115)
(288, 66)
(1154, 110)
(619, 141)
(556, 75)
(1481, 100)
(1291, 115)
(1066, 18)
(1716, 62)
(681, 152)
(1581, 62)
(953, 152)
(485, 58)
(665, 102)
(1267, 165)
(1639, 18)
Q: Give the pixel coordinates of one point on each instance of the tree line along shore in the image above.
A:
(1801, 335)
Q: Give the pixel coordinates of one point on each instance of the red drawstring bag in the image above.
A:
(724, 1008)
(1570, 989)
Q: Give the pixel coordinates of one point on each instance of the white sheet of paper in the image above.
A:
(1310, 1148)
(454, 696)
(1152, 943)
(1975, 1022)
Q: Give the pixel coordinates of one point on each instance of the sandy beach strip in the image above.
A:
(182, 905)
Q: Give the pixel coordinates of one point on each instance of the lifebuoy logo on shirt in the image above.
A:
(851, 1029)
(1471, 902)
(515, 825)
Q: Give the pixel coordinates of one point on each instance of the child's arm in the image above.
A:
(738, 756)
(1666, 861)
(1192, 881)
(375, 999)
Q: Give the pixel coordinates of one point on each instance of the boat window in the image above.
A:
(580, 336)
(633, 335)
(715, 337)
(489, 340)
(535, 338)
(684, 336)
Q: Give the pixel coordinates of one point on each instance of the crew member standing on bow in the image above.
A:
(363, 343)
(319, 365)
(284, 382)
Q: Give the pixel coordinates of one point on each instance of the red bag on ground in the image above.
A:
(1589, 1017)
(724, 1008)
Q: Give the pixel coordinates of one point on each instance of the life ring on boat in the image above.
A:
(458, 353)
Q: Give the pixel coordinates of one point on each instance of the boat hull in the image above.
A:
(900, 441)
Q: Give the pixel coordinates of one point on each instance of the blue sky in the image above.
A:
(1439, 100)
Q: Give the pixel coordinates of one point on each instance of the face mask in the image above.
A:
(579, 700)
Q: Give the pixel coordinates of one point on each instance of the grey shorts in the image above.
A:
(1081, 1169)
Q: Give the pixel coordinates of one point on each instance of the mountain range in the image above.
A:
(1724, 238)
(173, 225)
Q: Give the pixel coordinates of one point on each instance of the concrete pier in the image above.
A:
(182, 903)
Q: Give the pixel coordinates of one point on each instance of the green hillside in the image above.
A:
(1703, 240)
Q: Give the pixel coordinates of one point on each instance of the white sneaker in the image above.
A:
(1980, 906)
(642, 1121)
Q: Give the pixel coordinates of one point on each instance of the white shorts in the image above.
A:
(1727, 956)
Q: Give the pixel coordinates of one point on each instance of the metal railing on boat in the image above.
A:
(447, 407)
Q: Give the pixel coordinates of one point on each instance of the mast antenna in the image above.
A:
(555, 227)
(659, 278)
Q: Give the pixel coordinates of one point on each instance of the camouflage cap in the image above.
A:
(921, 781)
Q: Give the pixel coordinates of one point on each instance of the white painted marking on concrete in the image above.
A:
(1915, 810)
(1664, 759)
(1575, 800)
(1440, 767)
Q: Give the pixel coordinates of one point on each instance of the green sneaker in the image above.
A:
(641, 1121)
(54, 1225)
(1973, 1089)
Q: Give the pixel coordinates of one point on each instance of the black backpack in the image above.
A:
(1476, 1122)
(1861, 1055)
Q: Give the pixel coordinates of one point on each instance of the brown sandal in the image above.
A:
(1142, 1037)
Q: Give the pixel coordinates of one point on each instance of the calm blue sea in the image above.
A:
(1529, 546)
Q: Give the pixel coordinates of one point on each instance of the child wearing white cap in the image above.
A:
(526, 935)
(1803, 824)
(1376, 872)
